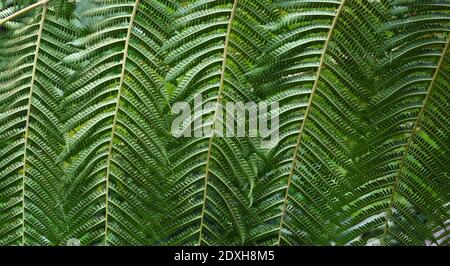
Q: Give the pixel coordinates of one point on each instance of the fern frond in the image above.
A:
(399, 198)
(91, 150)
(210, 189)
(31, 81)
(114, 128)
(319, 69)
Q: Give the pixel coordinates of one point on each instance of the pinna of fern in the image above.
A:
(210, 187)
(31, 80)
(401, 187)
(319, 68)
(113, 124)
(86, 152)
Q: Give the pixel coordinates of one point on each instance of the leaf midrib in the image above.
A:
(24, 11)
(28, 116)
(308, 109)
(411, 139)
(219, 96)
(116, 111)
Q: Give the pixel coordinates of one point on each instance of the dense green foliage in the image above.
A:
(86, 149)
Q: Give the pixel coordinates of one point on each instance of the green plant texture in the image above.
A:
(86, 149)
